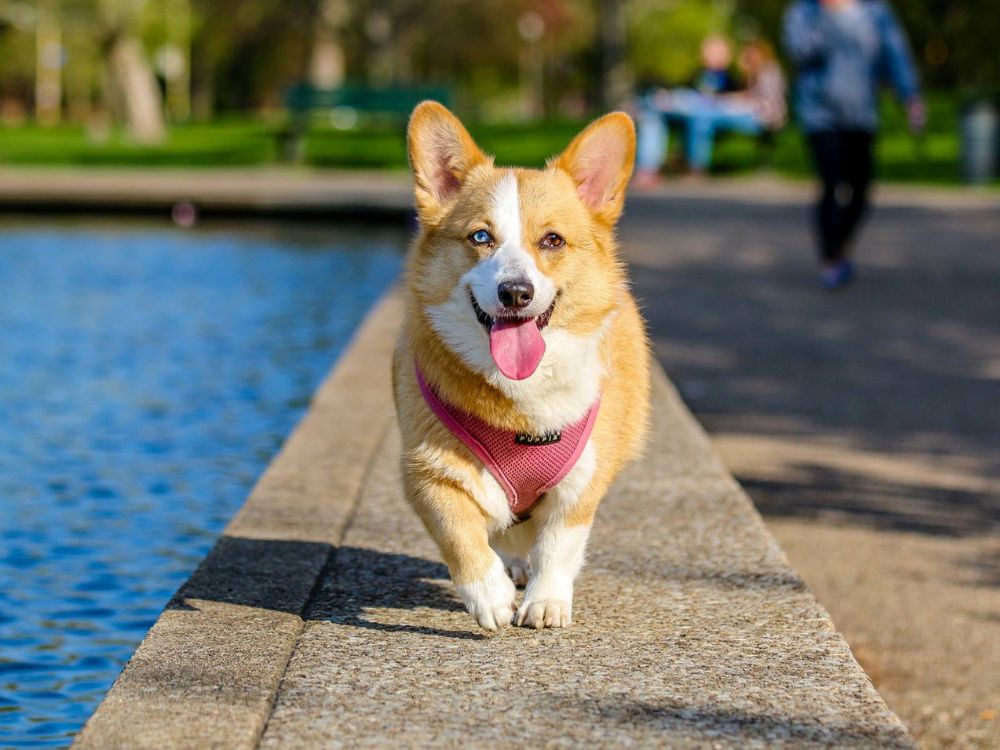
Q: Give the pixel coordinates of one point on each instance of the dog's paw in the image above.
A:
(519, 570)
(490, 599)
(545, 613)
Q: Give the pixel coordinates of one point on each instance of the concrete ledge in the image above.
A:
(323, 618)
(262, 191)
(321, 194)
(207, 672)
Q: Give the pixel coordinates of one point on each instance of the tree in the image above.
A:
(665, 36)
(135, 93)
(954, 41)
(326, 66)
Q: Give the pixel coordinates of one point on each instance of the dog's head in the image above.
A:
(507, 259)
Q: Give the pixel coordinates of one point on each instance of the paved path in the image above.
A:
(323, 617)
(864, 425)
(325, 193)
(271, 191)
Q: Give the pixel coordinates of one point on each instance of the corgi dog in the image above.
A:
(521, 376)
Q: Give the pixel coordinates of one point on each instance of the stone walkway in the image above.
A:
(864, 425)
(327, 193)
(270, 191)
(324, 619)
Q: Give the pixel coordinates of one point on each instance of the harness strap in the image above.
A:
(525, 466)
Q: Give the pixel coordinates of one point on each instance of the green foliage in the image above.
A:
(241, 142)
(17, 62)
(249, 143)
(369, 148)
(246, 53)
(665, 36)
(233, 143)
(521, 144)
(954, 41)
(901, 157)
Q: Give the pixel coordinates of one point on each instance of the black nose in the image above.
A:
(516, 294)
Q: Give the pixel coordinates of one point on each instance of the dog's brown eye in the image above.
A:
(553, 241)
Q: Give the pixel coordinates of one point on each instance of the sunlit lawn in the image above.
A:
(930, 158)
(225, 143)
(248, 142)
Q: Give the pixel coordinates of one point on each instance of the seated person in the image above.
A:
(714, 77)
(758, 108)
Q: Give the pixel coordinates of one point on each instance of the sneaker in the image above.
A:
(837, 277)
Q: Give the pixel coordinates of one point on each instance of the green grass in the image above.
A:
(246, 142)
(902, 157)
(384, 146)
(932, 158)
(226, 143)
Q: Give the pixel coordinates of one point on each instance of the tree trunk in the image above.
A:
(326, 68)
(615, 83)
(178, 59)
(48, 68)
(136, 89)
(202, 83)
(326, 65)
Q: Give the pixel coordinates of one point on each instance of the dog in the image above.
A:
(521, 375)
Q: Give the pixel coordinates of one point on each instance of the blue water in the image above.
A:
(147, 375)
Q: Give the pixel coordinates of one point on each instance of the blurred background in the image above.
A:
(244, 82)
(151, 366)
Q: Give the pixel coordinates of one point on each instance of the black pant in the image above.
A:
(844, 161)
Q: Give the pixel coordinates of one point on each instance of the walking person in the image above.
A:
(844, 49)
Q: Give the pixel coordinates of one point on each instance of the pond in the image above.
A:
(147, 375)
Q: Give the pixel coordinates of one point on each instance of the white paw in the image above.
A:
(490, 599)
(545, 613)
(519, 570)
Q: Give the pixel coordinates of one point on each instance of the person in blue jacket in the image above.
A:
(844, 50)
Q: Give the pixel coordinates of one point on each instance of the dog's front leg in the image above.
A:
(556, 559)
(563, 524)
(460, 529)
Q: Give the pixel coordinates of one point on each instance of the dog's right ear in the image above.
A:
(442, 154)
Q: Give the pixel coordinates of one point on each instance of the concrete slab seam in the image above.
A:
(327, 569)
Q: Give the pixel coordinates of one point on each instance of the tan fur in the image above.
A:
(453, 185)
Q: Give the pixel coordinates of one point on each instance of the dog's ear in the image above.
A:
(442, 154)
(600, 162)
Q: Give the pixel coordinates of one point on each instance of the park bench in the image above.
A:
(348, 106)
(763, 144)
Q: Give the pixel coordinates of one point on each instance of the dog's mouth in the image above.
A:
(516, 342)
(486, 320)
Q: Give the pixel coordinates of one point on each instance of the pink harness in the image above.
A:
(526, 466)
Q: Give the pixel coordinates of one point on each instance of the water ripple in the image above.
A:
(146, 377)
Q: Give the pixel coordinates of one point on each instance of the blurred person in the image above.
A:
(843, 50)
(705, 111)
(716, 57)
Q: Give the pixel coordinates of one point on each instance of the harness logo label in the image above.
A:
(549, 438)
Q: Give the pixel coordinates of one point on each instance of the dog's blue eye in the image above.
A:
(481, 237)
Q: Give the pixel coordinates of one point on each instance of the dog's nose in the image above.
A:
(516, 294)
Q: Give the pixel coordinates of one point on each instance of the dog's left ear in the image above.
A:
(442, 154)
(600, 162)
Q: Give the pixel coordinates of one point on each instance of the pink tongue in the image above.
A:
(517, 347)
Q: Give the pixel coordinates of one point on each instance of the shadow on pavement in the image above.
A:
(743, 725)
(359, 580)
(903, 367)
(282, 575)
